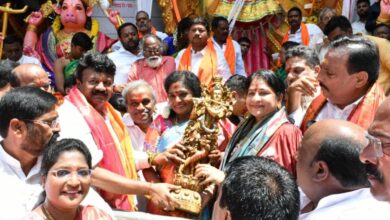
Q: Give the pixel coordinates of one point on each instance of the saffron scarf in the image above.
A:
(252, 136)
(117, 156)
(304, 35)
(362, 115)
(230, 55)
(208, 65)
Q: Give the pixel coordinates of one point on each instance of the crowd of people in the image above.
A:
(101, 130)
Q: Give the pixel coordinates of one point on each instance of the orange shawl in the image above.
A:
(152, 31)
(304, 35)
(208, 65)
(117, 155)
(230, 55)
(362, 115)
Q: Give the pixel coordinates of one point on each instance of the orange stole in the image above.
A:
(362, 115)
(230, 55)
(304, 35)
(117, 155)
(153, 31)
(208, 65)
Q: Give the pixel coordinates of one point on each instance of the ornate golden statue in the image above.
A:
(200, 138)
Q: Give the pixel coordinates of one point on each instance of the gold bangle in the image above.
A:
(151, 156)
(32, 28)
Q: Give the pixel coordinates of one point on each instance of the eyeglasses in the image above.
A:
(154, 50)
(63, 174)
(52, 124)
(377, 145)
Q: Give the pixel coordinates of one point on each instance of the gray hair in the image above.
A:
(138, 84)
(324, 11)
(150, 36)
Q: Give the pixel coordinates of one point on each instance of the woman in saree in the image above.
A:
(265, 132)
(66, 179)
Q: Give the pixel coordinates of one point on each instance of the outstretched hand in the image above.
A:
(161, 197)
(174, 154)
(209, 175)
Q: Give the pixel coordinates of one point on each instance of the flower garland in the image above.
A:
(56, 26)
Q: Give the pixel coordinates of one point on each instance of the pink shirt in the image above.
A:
(155, 77)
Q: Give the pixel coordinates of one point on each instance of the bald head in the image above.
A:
(30, 75)
(328, 146)
(326, 129)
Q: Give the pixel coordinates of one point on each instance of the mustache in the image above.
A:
(373, 171)
(97, 92)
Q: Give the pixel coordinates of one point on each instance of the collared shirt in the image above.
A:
(355, 205)
(240, 66)
(331, 111)
(155, 77)
(359, 27)
(311, 28)
(222, 66)
(137, 141)
(19, 192)
(122, 59)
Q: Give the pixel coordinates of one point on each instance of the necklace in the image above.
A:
(47, 213)
(49, 216)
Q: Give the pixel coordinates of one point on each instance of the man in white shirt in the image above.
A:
(127, 54)
(227, 46)
(359, 27)
(298, 31)
(28, 124)
(200, 57)
(302, 67)
(13, 51)
(348, 81)
(331, 176)
(376, 154)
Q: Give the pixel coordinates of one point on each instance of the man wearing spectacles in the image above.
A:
(27, 124)
(154, 67)
(331, 178)
(376, 154)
